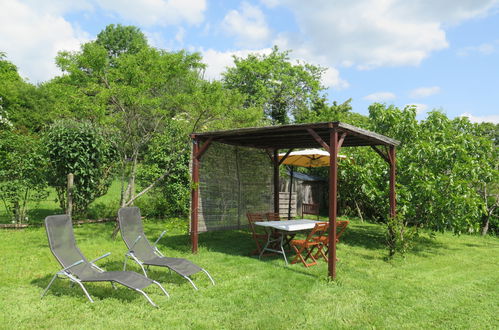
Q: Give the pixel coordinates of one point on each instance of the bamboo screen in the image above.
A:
(233, 181)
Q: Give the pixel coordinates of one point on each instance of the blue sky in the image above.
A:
(439, 54)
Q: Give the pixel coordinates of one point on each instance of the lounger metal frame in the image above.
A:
(64, 273)
(130, 254)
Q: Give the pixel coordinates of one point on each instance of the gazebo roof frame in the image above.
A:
(295, 136)
(330, 135)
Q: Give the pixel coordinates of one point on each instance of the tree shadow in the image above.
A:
(233, 242)
(368, 237)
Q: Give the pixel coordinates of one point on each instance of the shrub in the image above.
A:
(87, 151)
(22, 177)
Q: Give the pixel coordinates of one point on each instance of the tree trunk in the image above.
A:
(485, 227)
(131, 183)
(69, 198)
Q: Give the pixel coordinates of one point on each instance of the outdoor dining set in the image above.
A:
(273, 235)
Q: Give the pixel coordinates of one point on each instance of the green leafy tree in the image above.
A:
(137, 89)
(284, 90)
(85, 150)
(119, 40)
(168, 152)
(22, 177)
(21, 101)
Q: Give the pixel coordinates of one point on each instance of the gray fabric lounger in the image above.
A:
(76, 267)
(145, 254)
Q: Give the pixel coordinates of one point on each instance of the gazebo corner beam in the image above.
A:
(203, 148)
(285, 156)
(318, 139)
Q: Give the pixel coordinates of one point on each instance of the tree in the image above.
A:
(85, 150)
(138, 90)
(21, 101)
(119, 40)
(284, 90)
(22, 177)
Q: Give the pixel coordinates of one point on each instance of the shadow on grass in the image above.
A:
(100, 290)
(160, 274)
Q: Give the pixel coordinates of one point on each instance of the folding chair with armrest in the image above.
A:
(76, 267)
(145, 254)
(259, 238)
(323, 248)
(308, 245)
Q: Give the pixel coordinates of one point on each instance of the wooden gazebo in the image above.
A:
(329, 135)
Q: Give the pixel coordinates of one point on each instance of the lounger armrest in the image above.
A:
(72, 265)
(160, 237)
(99, 258)
(135, 242)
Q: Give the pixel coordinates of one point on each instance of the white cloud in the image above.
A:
(420, 108)
(157, 12)
(248, 25)
(331, 79)
(479, 119)
(424, 92)
(487, 48)
(31, 38)
(377, 33)
(218, 61)
(179, 37)
(380, 96)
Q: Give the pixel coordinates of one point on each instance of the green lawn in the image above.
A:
(104, 206)
(449, 282)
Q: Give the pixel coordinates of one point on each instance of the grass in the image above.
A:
(104, 206)
(448, 282)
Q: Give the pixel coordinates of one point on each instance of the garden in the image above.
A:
(113, 131)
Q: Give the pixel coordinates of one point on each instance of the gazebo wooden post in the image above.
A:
(195, 196)
(333, 182)
(276, 180)
(393, 166)
(197, 153)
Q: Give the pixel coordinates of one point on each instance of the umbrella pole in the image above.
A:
(290, 192)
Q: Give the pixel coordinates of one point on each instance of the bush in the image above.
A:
(399, 236)
(22, 177)
(87, 151)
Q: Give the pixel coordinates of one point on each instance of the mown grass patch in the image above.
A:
(449, 282)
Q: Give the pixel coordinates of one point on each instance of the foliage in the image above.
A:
(441, 165)
(138, 89)
(167, 152)
(399, 236)
(21, 101)
(5, 123)
(284, 90)
(21, 174)
(85, 150)
(119, 39)
(322, 112)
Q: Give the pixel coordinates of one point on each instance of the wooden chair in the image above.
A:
(259, 238)
(273, 216)
(310, 209)
(302, 246)
(323, 248)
